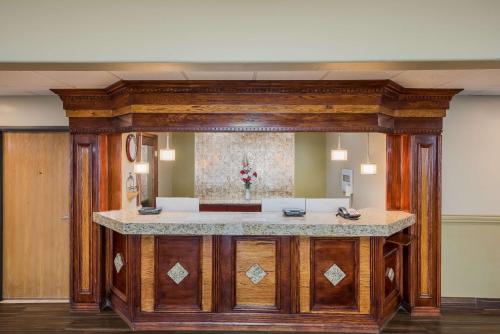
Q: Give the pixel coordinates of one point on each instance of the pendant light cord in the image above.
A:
(368, 148)
(338, 147)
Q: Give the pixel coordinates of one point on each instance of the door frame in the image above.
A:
(148, 139)
(4, 129)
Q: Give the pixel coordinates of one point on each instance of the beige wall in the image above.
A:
(471, 186)
(183, 167)
(246, 31)
(165, 168)
(368, 190)
(310, 164)
(25, 111)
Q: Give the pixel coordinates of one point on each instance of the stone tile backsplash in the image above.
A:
(218, 161)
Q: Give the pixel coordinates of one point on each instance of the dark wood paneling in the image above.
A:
(326, 252)
(414, 184)
(89, 188)
(231, 207)
(119, 279)
(391, 261)
(426, 204)
(186, 295)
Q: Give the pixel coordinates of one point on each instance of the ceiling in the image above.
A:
(474, 82)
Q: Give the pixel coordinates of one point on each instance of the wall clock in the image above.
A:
(131, 147)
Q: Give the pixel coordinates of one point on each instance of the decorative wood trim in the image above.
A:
(84, 175)
(470, 219)
(147, 273)
(257, 109)
(266, 105)
(207, 274)
(305, 274)
(364, 275)
(424, 215)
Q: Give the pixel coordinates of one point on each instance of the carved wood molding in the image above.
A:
(253, 106)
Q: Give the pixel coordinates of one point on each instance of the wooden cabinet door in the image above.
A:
(36, 215)
(254, 274)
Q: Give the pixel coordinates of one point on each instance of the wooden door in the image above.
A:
(36, 215)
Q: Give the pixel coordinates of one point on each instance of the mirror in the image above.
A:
(209, 166)
(148, 183)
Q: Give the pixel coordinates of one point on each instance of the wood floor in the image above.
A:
(56, 318)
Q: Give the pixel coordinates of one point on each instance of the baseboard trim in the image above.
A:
(471, 302)
(34, 301)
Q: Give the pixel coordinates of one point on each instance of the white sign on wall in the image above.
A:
(346, 181)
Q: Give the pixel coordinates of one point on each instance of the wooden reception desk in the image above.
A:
(255, 271)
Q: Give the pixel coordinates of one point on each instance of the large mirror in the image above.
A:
(249, 166)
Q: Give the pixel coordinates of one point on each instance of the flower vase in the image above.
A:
(247, 194)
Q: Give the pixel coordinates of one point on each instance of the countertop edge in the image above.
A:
(254, 229)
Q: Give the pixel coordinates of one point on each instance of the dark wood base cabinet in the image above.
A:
(268, 283)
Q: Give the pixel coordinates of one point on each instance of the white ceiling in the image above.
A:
(474, 82)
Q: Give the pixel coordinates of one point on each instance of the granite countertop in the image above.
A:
(373, 222)
(230, 201)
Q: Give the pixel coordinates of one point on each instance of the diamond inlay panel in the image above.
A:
(390, 274)
(118, 261)
(256, 274)
(177, 273)
(334, 274)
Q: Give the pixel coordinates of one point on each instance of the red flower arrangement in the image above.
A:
(248, 176)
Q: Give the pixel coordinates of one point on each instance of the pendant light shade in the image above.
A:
(368, 168)
(141, 167)
(167, 154)
(339, 154)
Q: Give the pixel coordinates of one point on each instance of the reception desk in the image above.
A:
(255, 271)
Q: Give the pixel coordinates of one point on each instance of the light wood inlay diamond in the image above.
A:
(256, 274)
(390, 274)
(334, 274)
(118, 261)
(177, 273)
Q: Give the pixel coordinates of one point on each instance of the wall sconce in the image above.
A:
(130, 184)
(368, 168)
(167, 154)
(339, 154)
(141, 168)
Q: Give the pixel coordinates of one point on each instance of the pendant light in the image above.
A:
(368, 168)
(339, 154)
(167, 154)
(141, 167)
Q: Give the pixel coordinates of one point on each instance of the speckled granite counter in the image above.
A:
(372, 223)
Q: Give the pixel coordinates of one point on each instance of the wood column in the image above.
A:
(414, 184)
(89, 194)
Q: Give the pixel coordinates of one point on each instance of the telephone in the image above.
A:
(348, 213)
